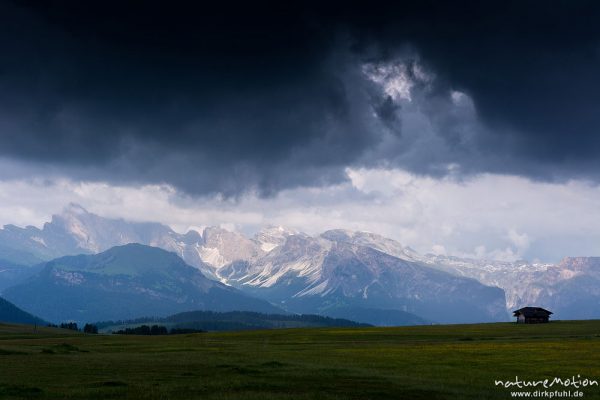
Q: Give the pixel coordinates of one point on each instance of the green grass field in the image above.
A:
(426, 362)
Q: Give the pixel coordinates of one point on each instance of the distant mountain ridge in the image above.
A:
(320, 275)
(77, 231)
(324, 275)
(571, 288)
(339, 272)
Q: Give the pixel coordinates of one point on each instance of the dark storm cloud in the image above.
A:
(268, 97)
(533, 70)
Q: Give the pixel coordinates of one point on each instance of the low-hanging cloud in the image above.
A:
(214, 100)
(490, 216)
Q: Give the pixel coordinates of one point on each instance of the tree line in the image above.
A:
(139, 330)
(87, 328)
(155, 330)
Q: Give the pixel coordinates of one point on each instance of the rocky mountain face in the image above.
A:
(577, 297)
(521, 280)
(334, 276)
(76, 231)
(568, 288)
(337, 273)
(220, 247)
(125, 282)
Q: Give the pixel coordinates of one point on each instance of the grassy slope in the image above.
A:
(428, 362)
(132, 260)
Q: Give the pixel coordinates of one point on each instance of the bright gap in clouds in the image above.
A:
(489, 216)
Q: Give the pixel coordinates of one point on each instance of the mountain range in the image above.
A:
(570, 288)
(357, 275)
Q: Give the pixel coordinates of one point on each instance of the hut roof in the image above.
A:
(534, 312)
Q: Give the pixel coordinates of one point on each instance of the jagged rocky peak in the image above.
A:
(581, 263)
(272, 237)
(373, 240)
(75, 222)
(74, 218)
(90, 231)
(191, 236)
(71, 212)
(75, 230)
(215, 236)
(338, 235)
(301, 245)
(221, 247)
(356, 237)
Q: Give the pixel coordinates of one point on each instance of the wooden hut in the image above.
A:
(532, 315)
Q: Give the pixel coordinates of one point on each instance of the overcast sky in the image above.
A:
(467, 128)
